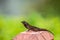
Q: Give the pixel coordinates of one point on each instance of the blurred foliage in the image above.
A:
(48, 18)
(10, 27)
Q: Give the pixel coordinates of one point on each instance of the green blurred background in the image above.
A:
(41, 13)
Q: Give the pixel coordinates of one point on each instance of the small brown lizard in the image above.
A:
(33, 28)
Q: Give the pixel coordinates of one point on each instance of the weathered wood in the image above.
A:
(31, 35)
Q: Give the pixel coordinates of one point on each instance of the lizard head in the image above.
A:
(25, 24)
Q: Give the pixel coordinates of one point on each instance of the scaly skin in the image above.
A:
(33, 28)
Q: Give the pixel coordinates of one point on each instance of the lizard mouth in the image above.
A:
(25, 24)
